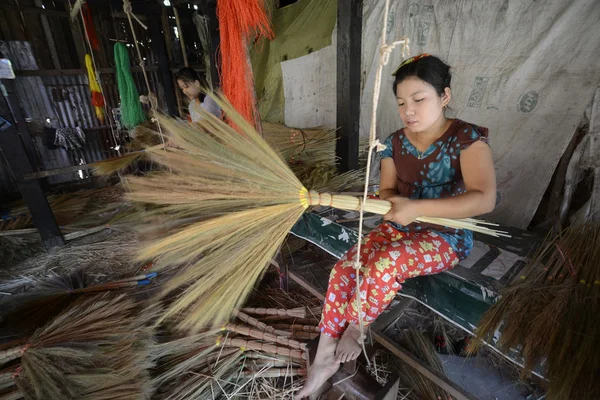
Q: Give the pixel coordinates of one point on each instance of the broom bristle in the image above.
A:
(93, 350)
(249, 202)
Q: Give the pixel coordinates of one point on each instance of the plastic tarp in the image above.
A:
(525, 69)
(300, 29)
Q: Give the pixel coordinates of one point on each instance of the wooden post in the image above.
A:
(209, 10)
(349, 38)
(20, 164)
(159, 48)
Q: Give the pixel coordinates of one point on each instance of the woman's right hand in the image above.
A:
(404, 211)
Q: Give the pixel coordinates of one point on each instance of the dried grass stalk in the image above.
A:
(420, 386)
(275, 373)
(551, 313)
(92, 350)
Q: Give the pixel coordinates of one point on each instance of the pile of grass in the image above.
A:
(551, 313)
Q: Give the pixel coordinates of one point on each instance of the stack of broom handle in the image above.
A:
(382, 207)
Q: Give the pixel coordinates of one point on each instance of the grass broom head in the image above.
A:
(95, 349)
(230, 200)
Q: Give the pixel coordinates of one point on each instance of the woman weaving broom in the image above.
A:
(435, 167)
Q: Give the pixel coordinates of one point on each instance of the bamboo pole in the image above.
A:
(265, 347)
(299, 312)
(304, 328)
(261, 335)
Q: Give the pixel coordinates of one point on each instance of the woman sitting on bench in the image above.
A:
(434, 167)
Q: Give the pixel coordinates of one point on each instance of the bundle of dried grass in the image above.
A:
(104, 256)
(415, 385)
(550, 314)
(22, 314)
(223, 212)
(95, 349)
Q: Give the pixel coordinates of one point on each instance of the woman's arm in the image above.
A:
(480, 198)
(388, 181)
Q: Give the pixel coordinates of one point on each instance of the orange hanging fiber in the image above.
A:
(240, 21)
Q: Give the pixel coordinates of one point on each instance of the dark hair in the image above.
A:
(189, 75)
(429, 69)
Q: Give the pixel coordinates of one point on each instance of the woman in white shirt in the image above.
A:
(193, 86)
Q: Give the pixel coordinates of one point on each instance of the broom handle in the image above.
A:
(296, 312)
(304, 328)
(260, 325)
(274, 373)
(261, 335)
(382, 207)
(11, 354)
(266, 347)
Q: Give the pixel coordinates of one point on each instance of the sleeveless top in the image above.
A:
(435, 174)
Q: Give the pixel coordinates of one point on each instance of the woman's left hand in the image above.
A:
(404, 210)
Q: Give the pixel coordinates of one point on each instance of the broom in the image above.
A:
(92, 350)
(231, 199)
(551, 313)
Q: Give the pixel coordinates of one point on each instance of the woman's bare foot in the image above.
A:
(348, 348)
(322, 368)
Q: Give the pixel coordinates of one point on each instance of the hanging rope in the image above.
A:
(151, 97)
(202, 27)
(384, 57)
(74, 9)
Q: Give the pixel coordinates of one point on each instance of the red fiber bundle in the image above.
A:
(88, 21)
(239, 22)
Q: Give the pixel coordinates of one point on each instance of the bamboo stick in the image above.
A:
(261, 325)
(382, 207)
(295, 312)
(266, 347)
(275, 373)
(304, 328)
(304, 335)
(261, 335)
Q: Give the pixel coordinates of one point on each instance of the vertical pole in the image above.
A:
(159, 48)
(20, 163)
(349, 42)
(209, 10)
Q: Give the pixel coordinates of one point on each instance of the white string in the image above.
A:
(151, 98)
(384, 58)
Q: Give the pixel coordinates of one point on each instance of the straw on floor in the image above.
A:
(550, 314)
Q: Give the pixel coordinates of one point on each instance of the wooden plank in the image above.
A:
(48, 34)
(63, 72)
(57, 171)
(159, 49)
(33, 10)
(20, 164)
(209, 10)
(389, 318)
(349, 41)
(443, 382)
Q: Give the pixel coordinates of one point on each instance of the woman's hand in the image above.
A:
(404, 211)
